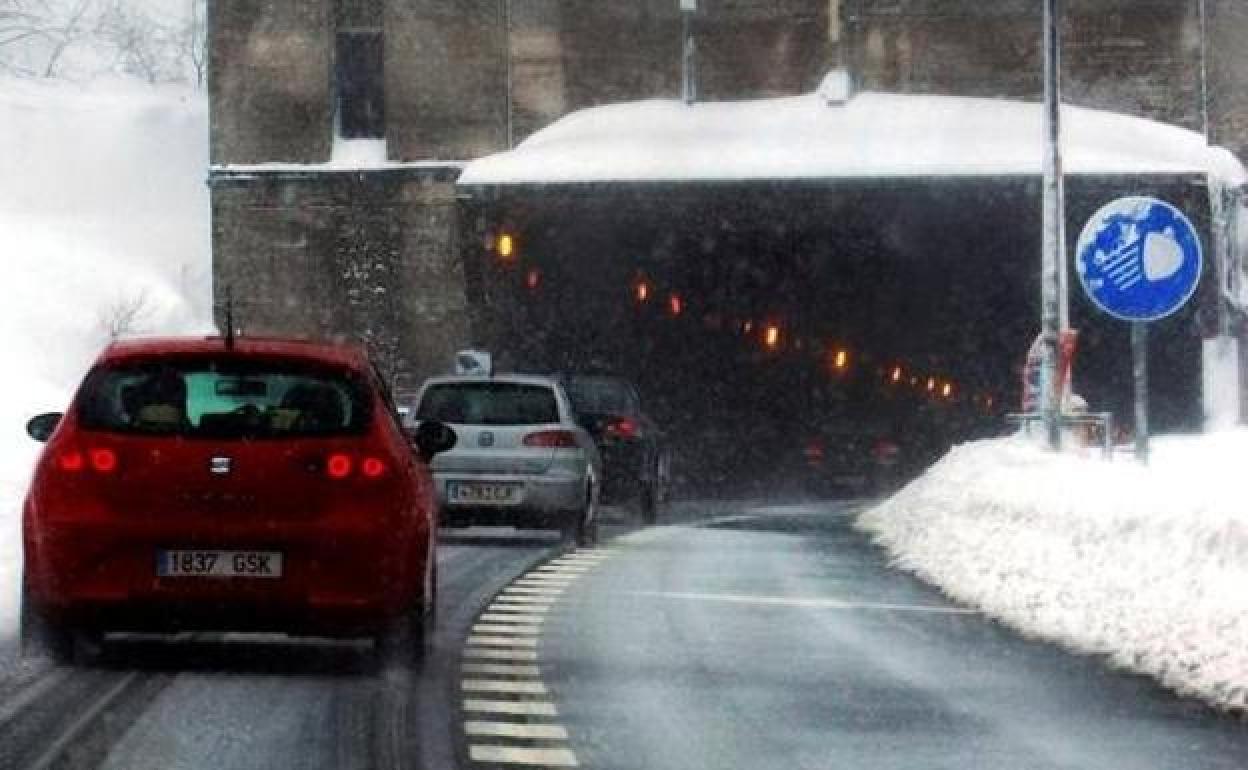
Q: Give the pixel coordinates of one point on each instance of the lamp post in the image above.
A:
(1054, 307)
(689, 52)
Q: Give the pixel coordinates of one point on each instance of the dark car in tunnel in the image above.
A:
(636, 461)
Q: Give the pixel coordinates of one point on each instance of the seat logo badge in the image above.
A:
(220, 465)
(487, 439)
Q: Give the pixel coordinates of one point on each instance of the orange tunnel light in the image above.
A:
(506, 246)
(772, 336)
(642, 291)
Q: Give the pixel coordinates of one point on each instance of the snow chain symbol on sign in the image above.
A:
(1139, 259)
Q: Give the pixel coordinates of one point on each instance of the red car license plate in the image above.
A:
(198, 563)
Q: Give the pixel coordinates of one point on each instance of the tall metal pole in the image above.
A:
(1054, 312)
(1204, 72)
(1139, 373)
(689, 52)
(509, 75)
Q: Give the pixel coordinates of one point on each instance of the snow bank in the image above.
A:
(102, 201)
(1146, 566)
(871, 135)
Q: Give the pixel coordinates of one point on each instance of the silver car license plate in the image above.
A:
(482, 493)
(251, 564)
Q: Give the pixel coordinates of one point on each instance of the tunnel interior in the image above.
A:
(751, 314)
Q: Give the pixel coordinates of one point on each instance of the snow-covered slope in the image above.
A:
(102, 201)
(1146, 566)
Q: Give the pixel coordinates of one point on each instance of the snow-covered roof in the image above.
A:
(814, 136)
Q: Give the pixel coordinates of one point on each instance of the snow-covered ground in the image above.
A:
(102, 205)
(1148, 566)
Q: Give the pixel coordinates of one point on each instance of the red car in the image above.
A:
(213, 484)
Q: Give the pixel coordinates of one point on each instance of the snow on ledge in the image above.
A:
(870, 135)
(1146, 566)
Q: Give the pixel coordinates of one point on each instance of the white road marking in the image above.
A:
(507, 605)
(520, 707)
(500, 669)
(512, 755)
(547, 577)
(488, 628)
(809, 602)
(489, 653)
(505, 686)
(533, 590)
(516, 730)
(542, 582)
(573, 563)
(524, 599)
(510, 617)
(501, 641)
(556, 568)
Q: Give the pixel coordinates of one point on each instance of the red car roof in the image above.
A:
(347, 355)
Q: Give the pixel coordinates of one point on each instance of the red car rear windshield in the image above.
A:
(224, 397)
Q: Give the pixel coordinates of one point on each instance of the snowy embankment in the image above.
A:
(1148, 566)
(103, 213)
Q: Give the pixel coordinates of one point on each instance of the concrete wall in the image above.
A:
(446, 89)
(270, 81)
(1228, 73)
(364, 257)
(1134, 56)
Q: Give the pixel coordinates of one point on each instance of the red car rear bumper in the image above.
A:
(337, 580)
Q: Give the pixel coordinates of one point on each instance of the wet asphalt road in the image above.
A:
(733, 636)
(223, 702)
(779, 638)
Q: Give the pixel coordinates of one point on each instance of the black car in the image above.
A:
(636, 463)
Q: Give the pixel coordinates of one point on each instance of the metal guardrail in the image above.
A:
(1103, 420)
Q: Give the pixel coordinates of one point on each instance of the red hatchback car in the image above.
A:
(210, 484)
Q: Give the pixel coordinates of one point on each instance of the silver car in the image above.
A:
(521, 459)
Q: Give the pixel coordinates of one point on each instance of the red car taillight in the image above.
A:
(70, 460)
(103, 460)
(555, 439)
(372, 467)
(98, 459)
(623, 428)
(340, 465)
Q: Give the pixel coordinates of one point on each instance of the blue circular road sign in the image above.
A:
(1139, 259)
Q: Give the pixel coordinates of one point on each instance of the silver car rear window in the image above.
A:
(489, 403)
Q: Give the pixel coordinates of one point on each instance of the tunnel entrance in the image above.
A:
(753, 315)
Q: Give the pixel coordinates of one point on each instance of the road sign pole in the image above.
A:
(1051, 303)
(689, 52)
(1139, 367)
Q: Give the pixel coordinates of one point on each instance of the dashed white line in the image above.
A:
(516, 730)
(488, 653)
(541, 583)
(810, 602)
(542, 602)
(513, 617)
(504, 686)
(501, 641)
(532, 590)
(500, 669)
(489, 628)
(517, 707)
(512, 755)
